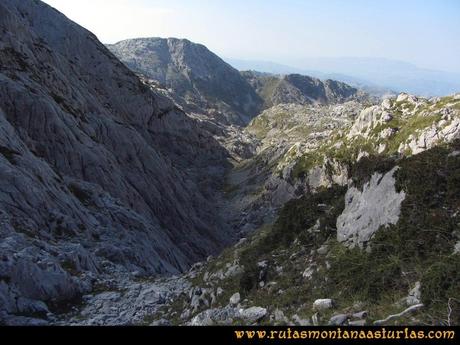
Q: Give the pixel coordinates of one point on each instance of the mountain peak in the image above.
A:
(192, 72)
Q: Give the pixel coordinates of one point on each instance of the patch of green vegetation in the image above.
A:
(348, 152)
(297, 216)
(441, 281)
(265, 122)
(174, 311)
(363, 275)
(362, 171)
(11, 57)
(64, 104)
(230, 188)
(305, 163)
(404, 105)
(418, 248)
(101, 286)
(259, 126)
(396, 123)
(268, 89)
(445, 101)
(411, 126)
(341, 150)
(295, 221)
(60, 307)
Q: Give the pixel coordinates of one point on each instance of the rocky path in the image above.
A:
(128, 302)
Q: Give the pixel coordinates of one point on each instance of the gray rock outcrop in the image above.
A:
(377, 205)
(299, 89)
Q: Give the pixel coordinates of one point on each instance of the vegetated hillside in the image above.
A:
(99, 174)
(300, 89)
(193, 73)
(348, 231)
(371, 229)
(404, 253)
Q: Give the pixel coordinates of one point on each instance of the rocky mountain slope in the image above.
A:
(345, 211)
(347, 234)
(193, 73)
(98, 173)
(202, 82)
(300, 89)
(372, 235)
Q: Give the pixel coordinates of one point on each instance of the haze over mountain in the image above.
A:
(381, 75)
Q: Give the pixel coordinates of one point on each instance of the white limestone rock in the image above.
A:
(235, 299)
(378, 204)
(323, 304)
(253, 314)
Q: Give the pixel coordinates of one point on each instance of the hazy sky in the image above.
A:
(424, 32)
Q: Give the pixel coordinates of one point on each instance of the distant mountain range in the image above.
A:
(200, 81)
(376, 76)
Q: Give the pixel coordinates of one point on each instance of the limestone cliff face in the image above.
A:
(366, 211)
(92, 165)
(193, 73)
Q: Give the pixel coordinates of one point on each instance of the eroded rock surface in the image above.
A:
(94, 166)
(377, 205)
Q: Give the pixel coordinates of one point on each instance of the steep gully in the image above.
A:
(127, 299)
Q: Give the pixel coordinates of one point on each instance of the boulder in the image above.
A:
(386, 104)
(278, 316)
(235, 299)
(386, 117)
(253, 314)
(360, 315)
(357, 323)
(217, 316)
(339, 320)
(323, 304)
(299, 321)
(415, 295)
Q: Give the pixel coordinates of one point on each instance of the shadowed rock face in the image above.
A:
(193, 73)
(94, 166)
